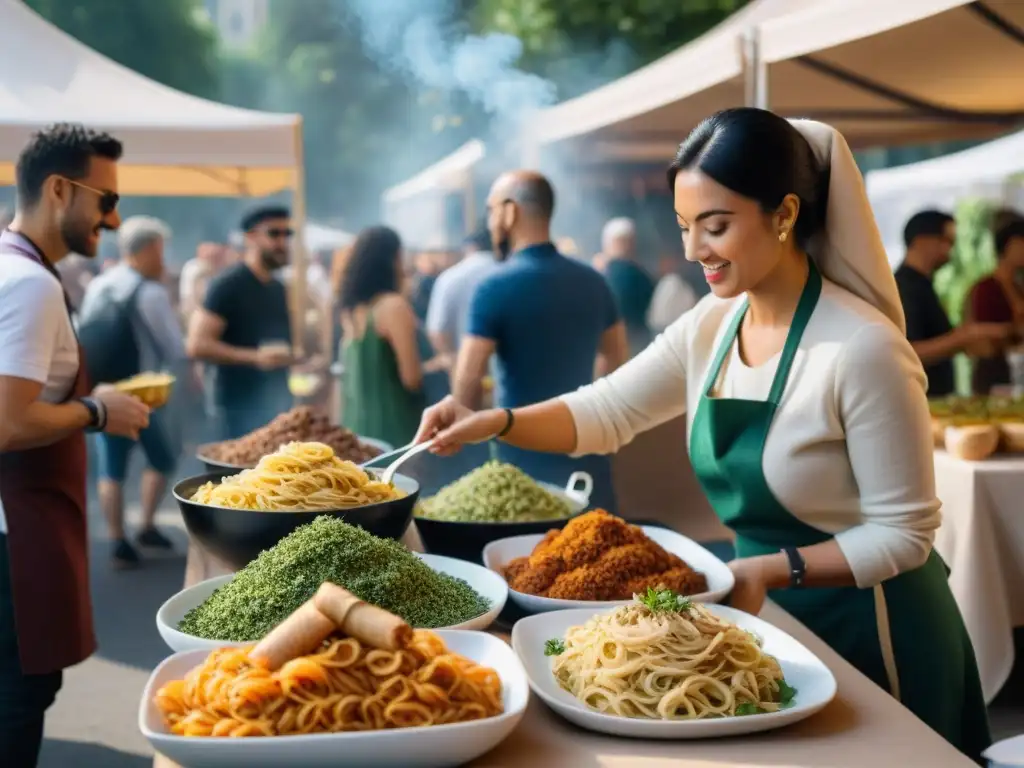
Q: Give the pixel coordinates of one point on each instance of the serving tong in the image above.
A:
(404, 453)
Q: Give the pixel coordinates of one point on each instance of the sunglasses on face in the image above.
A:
(108, 199)
(275, 233)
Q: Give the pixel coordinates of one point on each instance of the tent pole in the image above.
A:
(755, 71)
(763, 91)
(749, 49)
(299, 257)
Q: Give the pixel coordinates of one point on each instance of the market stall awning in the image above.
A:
(990, 171)
(175, 144)
(448, 173)
(659, 103)
(899, 71)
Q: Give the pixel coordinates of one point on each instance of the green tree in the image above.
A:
(364, 127)
(169, 41)
(635, 31)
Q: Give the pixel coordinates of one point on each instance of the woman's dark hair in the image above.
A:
(1007, 233)
(372, 267)
(761, 156)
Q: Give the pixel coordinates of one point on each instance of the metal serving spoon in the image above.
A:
(404, 453)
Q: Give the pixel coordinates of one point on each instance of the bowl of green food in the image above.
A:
(493, 502)
(428, 591)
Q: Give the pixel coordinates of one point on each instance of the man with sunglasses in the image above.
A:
(243, 327)
(66, 181)
(929, 237)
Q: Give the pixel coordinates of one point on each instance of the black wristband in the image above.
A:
(509, 421)
(97, 414)
(797, 566)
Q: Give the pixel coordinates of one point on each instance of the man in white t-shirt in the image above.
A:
(67, 194)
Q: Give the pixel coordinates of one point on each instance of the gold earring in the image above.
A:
(783, 235)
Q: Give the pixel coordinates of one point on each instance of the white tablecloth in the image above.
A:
(982, 540)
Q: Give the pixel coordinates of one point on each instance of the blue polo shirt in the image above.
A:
(546, 314)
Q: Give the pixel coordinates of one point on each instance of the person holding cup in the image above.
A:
(243, 327)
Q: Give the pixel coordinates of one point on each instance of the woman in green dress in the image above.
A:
(808, 420)
(382, 383)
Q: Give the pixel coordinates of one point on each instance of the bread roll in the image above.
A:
(1012, 436)
(972, 442)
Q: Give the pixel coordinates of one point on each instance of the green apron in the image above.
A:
(931, 668)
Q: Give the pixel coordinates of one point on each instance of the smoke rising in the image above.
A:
(420, 40)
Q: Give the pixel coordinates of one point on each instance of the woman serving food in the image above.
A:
(808, 422)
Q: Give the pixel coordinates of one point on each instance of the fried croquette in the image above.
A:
(598, 556)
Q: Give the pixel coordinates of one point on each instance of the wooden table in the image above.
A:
(863, 726)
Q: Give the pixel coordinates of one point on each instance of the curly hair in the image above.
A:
(372, 267)
(63, 149)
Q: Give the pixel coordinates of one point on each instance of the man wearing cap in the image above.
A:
(243, 327)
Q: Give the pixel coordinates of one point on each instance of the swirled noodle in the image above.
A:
(345, 687)
(668, 665)
(299, 477)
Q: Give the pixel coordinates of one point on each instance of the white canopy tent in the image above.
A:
(175, 144)
(322, 238)
(650, 110)
(898, 71)
(993, 171)
(417, 206)
(882, 71)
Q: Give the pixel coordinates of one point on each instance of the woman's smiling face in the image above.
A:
(731, 236)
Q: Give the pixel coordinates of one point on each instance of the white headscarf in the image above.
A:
(849, 251)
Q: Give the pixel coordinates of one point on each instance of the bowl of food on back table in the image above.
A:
(493, 502)
(236, 515)
(303, 424)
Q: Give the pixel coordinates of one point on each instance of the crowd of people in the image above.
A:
(554, 362)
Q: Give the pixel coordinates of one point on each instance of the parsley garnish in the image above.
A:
(749, 708)
(664, 601)
(786, 694)
(554, 647)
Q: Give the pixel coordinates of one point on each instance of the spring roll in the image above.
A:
(367, 623)
(300, 634)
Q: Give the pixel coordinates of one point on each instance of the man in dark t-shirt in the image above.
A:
(243, 328)
(547, 319)
(929, 237)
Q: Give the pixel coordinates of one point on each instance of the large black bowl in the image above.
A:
(237, 536)
(212, 465)
(466, 541)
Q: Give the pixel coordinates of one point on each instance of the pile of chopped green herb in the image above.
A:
(379, 571)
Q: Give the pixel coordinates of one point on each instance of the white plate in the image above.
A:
(423, 747)
(491, 586)
(499, 553)
(813, 681)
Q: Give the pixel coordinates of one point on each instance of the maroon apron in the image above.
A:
(44, 499)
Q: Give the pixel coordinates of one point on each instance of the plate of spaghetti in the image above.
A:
(407, 698)
(667, 668)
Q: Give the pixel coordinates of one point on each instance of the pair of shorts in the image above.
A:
(112, 452)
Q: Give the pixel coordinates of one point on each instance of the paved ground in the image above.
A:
(93, 724)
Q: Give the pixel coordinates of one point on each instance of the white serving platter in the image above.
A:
(489, 585)
(814, 683)
(421, 747)
(498, 554)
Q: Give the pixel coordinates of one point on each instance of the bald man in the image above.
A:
(550, 321)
